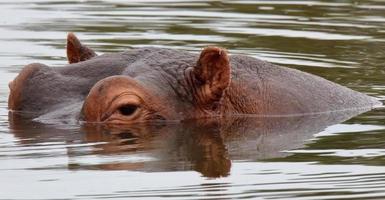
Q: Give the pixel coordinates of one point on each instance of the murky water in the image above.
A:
(328, 156)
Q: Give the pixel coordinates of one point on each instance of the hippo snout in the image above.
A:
(16, 87)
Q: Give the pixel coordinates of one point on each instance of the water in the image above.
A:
(328, 156)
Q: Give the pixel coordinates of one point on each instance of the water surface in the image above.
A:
(326, 156)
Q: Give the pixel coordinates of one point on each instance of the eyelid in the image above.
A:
(120, 100)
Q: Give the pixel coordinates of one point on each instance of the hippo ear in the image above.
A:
(212, 75)
(76, 52)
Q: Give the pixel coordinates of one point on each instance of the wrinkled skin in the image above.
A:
(150, 84)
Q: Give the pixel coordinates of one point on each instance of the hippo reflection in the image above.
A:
(152, 84)
(207, 145)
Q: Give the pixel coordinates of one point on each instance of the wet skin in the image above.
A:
(151, 84)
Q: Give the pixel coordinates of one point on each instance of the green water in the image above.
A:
(329, 156)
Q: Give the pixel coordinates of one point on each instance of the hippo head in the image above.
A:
(120, 88)
(147, 84)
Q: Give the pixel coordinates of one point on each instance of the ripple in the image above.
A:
(307, 3)
(290, 33)
(285, 181)
(348, 128)
(341, 41)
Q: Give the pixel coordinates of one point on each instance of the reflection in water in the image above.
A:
(205, 145)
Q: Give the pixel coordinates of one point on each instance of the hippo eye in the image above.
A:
(128, 109)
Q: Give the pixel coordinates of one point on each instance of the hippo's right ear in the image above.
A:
(212, 77)
(76, 52)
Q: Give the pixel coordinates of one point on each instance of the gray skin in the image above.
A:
(254, 87)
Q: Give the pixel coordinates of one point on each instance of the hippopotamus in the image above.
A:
(156, 84)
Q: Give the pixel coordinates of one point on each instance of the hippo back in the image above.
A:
(259, 87)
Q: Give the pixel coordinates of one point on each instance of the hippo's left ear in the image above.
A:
(212, 76)
(76, 51)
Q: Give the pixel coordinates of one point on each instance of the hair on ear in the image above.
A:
(212, 73)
